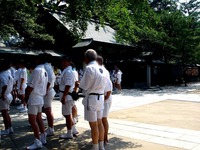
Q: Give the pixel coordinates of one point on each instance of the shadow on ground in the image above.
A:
(23, 137)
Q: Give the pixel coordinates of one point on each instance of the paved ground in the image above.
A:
(133, 123)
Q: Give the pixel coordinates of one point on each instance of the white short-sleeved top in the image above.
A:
(75, 75)
(109, 85)
(17, 74)
(13, 71)
(22, 75)
(38, 81)
(93, 80)
(67, 78)
(51, 75)
(6, 80)
(119, 75)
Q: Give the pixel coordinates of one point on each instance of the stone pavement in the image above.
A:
(124, 134)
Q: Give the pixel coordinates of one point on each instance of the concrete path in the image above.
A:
(162, 135)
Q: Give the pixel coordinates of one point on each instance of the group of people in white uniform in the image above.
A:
(37, 92)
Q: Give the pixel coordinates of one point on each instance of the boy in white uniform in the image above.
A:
(21, 86)
(93, 85)
(107, 99)
(66, 87)
(35, 93)
(6, 86)
(74, 109)
(48, 98)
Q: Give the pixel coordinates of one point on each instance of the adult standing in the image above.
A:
(66, 87)
(6, 86)
(93, 85)
(35, 93)
(107, 99)
(118, 76)
(48, 98)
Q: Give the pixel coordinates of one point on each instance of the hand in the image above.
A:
(63, 101)
(77, 83)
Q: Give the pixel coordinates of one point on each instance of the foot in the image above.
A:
(17, 100)
(43, 137)
(74, 130)
(44, 117)
(21, 106)
(36, 145)
(24, 110)
(11, 130)
(66, 136)
(50, 131)
(5, 132)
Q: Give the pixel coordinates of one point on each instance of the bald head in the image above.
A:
(90, 55)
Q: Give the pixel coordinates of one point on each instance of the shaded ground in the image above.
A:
(194, 92)
(23, 137)
(167, 113)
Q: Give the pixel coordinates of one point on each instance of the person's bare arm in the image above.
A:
(27, 93)
(76, 86)
(22, 81)
(66, 91)
(107, 95)
(48, 85)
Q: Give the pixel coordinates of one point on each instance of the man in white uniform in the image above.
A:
(48, 98)
(35, 93)
(93, 85)
(107, 99)
(66, 87)
(21, 85)
(118, 76)
(6, 85)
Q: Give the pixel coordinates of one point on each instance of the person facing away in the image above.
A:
(93, 85)
(107, 99)
(67, 84)
(35, 92)
(48, 98)
(21, 85)
(6, 86)
(118, 77)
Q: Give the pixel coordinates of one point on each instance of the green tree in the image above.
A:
(19, 17)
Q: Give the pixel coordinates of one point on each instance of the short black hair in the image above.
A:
(100, 59)
(4, 65)
(66, 58)
(22, 62)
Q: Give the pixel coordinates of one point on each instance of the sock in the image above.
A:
(74, 120)
(95, 147)
(101, 144)
(69, 132)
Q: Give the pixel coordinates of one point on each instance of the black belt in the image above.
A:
(96, 94)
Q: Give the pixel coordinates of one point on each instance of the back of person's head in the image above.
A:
(73, 65)
(4, 65)
(41, 59)
(22, 63)
(91, 55)
(66, 58)
(100, 60)
(47, 57)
